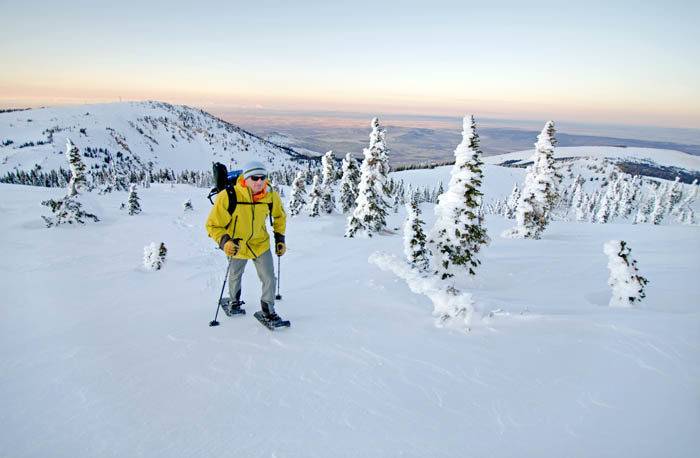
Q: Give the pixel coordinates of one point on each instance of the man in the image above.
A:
(242, 235)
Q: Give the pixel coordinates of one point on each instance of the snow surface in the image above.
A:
(663, 157)
(103, 358)
(169, 136)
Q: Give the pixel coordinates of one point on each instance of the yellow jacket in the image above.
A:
(248, 220)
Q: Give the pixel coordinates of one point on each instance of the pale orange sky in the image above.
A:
(595, 62)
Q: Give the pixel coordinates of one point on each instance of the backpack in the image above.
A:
(224, 179)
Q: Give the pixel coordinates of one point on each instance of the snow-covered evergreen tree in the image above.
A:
(626, 283)
(685, 212)
(675, 195)
(371, 205)
(629, 195)
(593, 204)
(348, 184)
(688, 217)
(67, 210)
(329, 178)
(328, 173)
(512, 203)
(316, 197)
(660, 205)
(133, 200)
(577, 197)
(581, 210)
(154, 256)
(608, 204)
(458, 235)
(78, 181)
(298, 200)
(540, 192)
(414, 239)
(645, 209)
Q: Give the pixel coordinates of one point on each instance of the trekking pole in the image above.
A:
(278, 296)
(218, 304)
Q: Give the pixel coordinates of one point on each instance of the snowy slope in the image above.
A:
(101, 358)
(662, 157)
(164, 135)
(281, 139)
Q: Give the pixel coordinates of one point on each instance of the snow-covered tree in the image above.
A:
(348, 184)
(458, 235)
(541, 189)
(154, 256)
(329, 178)
(645, 209)
(512, 202)
(328, 173)
(608, 203)
(675, 195)
(629, 195)
(577, 196)
(67, 210)
(660, 205)
(371, 205)
(414, 239)
(316, 197)
(78, 181)
(626, 283)
(581, 211)
(685, 212)
(133, 200)
(593, 204)
(298, 200)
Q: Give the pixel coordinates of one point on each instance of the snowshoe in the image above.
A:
(232, 307)
(271, 321)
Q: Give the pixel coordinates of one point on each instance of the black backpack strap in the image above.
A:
(232, 200)
(269, 206)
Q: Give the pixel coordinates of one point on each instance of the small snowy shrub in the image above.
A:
(67, 210)
(626, 283)
(154, 256)
(188, 205)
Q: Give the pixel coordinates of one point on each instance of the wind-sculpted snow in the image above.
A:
(453, 309)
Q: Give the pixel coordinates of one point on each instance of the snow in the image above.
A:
(663, 157)
(169, 136)
(451, 309)
(103, 358)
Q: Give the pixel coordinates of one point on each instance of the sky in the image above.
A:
(625, 62)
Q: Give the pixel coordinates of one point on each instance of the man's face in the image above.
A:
(256, 183)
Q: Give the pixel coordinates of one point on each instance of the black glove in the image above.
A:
(280, 246)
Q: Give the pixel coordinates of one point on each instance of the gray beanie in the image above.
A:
(254, 168)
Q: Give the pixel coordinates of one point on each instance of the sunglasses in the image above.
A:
(258, 177)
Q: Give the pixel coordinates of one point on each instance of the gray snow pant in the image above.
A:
(266, 273)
